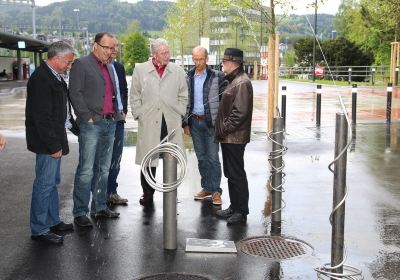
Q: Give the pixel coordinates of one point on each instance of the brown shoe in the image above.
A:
(216, 198)
(202, 195)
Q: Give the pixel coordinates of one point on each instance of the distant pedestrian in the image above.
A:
(46, 113)
(122, 99)
(203, 84)
(232, 130)
(93, 97)
(2, 142)
(158, 102)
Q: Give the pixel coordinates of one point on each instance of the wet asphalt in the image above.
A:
(131, 247)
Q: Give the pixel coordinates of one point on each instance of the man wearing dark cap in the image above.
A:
(232, 130)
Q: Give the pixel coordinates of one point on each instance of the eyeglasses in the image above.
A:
(107, 48)
(66, 61)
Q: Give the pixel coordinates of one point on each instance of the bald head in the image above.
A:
(200, 58)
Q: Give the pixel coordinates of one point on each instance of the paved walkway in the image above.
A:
(132, 246)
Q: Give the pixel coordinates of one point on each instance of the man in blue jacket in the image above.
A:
(46, 114)
(204, 84)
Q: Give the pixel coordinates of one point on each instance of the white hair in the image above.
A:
(155, 44)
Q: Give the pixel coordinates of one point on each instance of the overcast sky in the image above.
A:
(330, 7)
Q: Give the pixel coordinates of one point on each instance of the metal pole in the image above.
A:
(318, 112)
(283, 105)
(33, 20)
(315, 39)
(396, 77)
(339, 190)
(389, 103)
(373, 76)
(87, 41)
(169, 203)
(349, 79)
(354, 104)
(277, 137)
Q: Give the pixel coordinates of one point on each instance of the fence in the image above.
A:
(370, 74)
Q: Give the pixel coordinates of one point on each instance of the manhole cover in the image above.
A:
(173, 276)
(273, 247)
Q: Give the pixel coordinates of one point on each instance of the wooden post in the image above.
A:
(255, 75)
(273, 77)
(394, 60)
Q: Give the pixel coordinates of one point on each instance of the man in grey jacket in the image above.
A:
(93, 96)
(203, 85)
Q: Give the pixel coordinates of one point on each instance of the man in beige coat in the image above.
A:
(158, 100)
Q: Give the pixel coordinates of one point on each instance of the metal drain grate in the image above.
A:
(273, 247)
(173, 276)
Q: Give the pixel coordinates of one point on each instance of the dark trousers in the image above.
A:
(116, 158)
(147, 189)
(233, 162)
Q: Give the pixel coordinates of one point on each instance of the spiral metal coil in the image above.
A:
(327, 271)
(174, 150)
(277, 169)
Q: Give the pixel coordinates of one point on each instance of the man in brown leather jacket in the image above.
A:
(232, 130)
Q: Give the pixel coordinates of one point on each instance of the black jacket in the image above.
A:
(123, 86)
(211, 96)
(46, 112)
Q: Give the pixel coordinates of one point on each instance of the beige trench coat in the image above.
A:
(152, 96)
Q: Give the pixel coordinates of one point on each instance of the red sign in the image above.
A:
(319, 71)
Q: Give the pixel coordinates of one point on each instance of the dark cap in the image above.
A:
(233, 54)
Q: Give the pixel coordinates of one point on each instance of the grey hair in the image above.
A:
(155, 44)
(60, 48)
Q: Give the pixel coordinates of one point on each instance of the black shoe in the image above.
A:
(48, 237)
(146, 199)
(237, 218)
(83, 221)
(107, 213)
(225, 213)
(62, 227)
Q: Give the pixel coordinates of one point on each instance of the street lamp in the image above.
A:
(77, 17)
(315, 38)
(121, 45)
(87, 40)
(33, 19)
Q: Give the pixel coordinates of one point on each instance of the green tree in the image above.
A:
(371, 24)
(289, 58)
(136, 50)
(180, 22)
(303, 49)
(342, 52)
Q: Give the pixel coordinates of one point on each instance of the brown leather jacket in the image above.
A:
(233, 123)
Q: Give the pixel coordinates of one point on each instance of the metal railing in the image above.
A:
(370, 74)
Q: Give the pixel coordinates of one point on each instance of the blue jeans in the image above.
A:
(95, 151)
(207, 155)
(116, 158)
(44, 204)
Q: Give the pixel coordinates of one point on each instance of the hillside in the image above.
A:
(97, 15)
(114, 16)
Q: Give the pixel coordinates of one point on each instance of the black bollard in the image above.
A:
(283, 105)
(318, 112)
(339, 191)
(396, 77)
(389, 103)
(354, 104)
